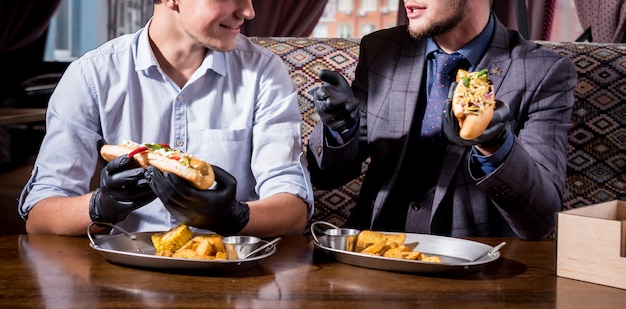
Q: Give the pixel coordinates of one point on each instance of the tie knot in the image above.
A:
(447, 62)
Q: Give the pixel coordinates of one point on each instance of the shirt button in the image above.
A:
(180, 143)
(179, 98)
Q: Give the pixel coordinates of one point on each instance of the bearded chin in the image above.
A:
(458, 11)
(433, 29)
(424, 33)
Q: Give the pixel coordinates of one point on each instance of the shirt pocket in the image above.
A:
(228, 149)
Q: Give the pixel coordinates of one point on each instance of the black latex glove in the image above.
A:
(123, 188)
(335, 102)
(213, 209)
(495, 134)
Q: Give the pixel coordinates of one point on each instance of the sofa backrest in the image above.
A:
(597, 141)
(596, 160)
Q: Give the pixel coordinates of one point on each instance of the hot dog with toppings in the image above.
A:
(166, 159)
(473, 103)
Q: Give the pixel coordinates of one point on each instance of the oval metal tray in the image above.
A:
(136, 250)
(457, 255)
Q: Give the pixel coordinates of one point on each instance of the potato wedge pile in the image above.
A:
(390, 245)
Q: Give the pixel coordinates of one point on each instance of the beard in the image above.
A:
(457, 10)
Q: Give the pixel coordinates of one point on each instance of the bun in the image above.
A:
(166, 159)
(473, 103)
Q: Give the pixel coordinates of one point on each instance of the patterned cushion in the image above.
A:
(596, 163)
(597, 141)
(304, 59)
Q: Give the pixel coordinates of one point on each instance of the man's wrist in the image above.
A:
(239, 219)
(96, 212)
(489, 162)
(344, 136)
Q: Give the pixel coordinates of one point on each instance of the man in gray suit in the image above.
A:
(507, 182)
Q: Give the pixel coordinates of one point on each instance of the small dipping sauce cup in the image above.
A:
(336, 237)
(239, 246)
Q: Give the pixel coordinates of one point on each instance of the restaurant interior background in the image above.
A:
(39, 39)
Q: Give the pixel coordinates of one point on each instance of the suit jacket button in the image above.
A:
(415, 206)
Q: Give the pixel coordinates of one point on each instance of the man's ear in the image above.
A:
(172, 4)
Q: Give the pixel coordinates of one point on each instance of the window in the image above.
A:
(345, 6)
(62, 33)
(370, 5)
(344, 31)
(392, 5)
(82, 25)
(321, 31)
(342, 17)
(367, 29)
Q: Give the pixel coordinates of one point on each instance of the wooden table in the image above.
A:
(11, 116)
(64, 272)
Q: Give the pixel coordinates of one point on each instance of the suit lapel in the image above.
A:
(406, 86)
(497, 59)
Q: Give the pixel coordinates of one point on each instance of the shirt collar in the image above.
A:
(473, 50)
(144, 57)
(213, 60)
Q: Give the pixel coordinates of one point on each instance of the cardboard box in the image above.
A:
(591, 244)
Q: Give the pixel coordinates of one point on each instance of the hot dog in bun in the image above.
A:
(473, 103)
(166, 159)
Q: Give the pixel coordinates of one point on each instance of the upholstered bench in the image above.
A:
(596, 167)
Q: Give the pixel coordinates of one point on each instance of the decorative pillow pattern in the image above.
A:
(597, 142)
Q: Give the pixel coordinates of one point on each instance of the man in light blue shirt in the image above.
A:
(191, 80)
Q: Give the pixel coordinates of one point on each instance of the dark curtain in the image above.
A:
(23, 28)
(539, 17)
(284, 18)
(540, 14)
(23, 21)
(605, 18)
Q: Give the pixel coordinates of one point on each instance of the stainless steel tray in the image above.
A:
(136, 250)
(457, 255)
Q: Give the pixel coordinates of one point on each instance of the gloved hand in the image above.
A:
(123, 188)
(495, 134)
(213, 209)
(335, 103)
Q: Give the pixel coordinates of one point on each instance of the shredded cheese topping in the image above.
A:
(474, 91)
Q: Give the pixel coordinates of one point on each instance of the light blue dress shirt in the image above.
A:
(238, 111)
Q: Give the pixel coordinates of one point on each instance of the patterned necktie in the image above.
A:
(432, 123)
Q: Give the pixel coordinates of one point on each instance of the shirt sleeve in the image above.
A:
(340, 138)
(278, 162)
(68, 154)
(490, 163)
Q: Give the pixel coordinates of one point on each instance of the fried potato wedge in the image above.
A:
(391, 246)
(179, 242)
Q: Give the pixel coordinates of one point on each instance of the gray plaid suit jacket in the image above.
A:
(519, 198)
